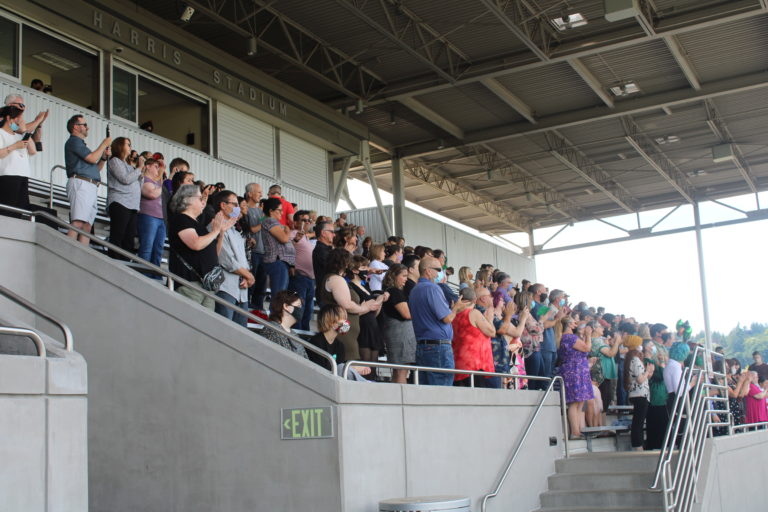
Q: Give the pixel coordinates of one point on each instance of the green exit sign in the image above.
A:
(306, 423)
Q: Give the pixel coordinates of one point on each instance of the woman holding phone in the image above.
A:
(15, 151)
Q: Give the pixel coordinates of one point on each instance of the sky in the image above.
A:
(653, 279)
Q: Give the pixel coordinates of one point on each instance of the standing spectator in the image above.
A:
(531, 339)
(636, 377)
(472, 332)
(323, 247)
(341, 221)
(367, 244)
(432, 323)
(279, 254)
(286, 218)
(123, 196)
(83, 170)
(194, 252)
(411, 262)
(237, 278)
(738, 386)
(393, 253)
(465, 277)
(376, 268)
(254, 217)
(20, 126)
(509, 327)
(345, 238)
(606, 349)
(150, 221)
(360, 233)
(395, 322)
(756, 411)
(673, 373)
(369, 340)
(759, 366)
(549, 319)
(303, 279)
(574, 368)
(285, 311)
(335, 290)
(14, 161)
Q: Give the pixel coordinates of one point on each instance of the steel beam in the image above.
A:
(509, 98)
(342, 183)
(433, 117)
(365, 158)
(702, 277)
(398, 196)
(719, 128)
(495, 8)
(658, 161)
(320, 59)
(591, 80)
(394, 38)
(565, 152)
(678, 52)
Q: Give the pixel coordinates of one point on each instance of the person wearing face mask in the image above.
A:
(285, 310)
(549, 311)
(14, 160)
(232, 258)
(149, 221)
(738, 386)
(369, 340)
(302, 279)
(393, 254)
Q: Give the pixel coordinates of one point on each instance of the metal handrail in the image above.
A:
(29, 333)
(172, 277)
(69, 343)
(50, 190)
(511, 461)
(749, 425)
(679, 485)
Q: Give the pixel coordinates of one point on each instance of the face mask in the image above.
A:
(561, 303)
(235, 212)
(440, 276)
(436, 280)
(581, 326)
(543, 298)
(343, 327)
(298, 313)
(14, 127)
(399, 258)
(363, 274)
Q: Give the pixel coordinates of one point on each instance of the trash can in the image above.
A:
(426, 504)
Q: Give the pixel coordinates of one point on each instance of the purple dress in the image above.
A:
(574, 368)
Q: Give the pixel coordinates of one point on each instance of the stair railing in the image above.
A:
(50, 189)
(27, 333)
(690, 424)
(520, 443)
(69, 343)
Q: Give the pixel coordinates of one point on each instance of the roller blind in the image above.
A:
(303, 165)
(246, 141)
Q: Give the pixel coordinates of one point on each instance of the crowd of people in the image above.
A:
(375, 297)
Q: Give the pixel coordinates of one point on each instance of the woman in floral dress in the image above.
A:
(574, 368)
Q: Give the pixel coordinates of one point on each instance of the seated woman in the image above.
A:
(285, 311)
(193, 251)
(332, 321)
(395, 322)
(234, 261)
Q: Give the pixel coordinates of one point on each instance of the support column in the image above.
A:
(398, 191)
(341, 185)
(365, 158)
(702, 277)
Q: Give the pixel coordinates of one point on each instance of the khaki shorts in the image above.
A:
(83, 197)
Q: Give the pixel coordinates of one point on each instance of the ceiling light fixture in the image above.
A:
(669, 139)
(625, 89)
(56, 61)
(392, 119)
(187, 13)
(441, 144)
(253, 46)
(359, 106)
(569, 21)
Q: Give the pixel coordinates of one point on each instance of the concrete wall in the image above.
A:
(43, 427)
(734, 474)
(184, 409)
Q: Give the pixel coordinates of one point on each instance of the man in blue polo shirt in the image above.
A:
(83, 170)
(432, 317)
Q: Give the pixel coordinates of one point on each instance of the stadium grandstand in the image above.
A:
(196, 317)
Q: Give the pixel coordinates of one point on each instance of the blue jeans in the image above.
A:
(151, 238)
(548, 359)
(436, 356)
(236, 317)
(260, 275)
(278, 276)
(621, 394)
(305, 287)
(534, 366)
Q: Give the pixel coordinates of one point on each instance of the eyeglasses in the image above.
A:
(436, 269)
(235, 203)
(81, 124)
(20, 105)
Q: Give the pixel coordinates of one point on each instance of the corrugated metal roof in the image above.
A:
(551, 89)
(730, 49)
(470, 107)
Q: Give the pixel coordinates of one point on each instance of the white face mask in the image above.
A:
(734, 370)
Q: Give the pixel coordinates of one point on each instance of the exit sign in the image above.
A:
(306, 423)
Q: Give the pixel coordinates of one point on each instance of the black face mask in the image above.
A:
(363, 274)
(542, 298)
(298, 313)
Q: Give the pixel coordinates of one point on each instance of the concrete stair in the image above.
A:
(605, 482)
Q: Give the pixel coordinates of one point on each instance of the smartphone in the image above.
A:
(107, 130)
(26, 136)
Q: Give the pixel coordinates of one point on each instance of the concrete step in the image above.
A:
(616, 462)
(600, 481)
(603, 499)
(600, 445)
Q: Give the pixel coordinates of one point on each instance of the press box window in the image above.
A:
(70, 72)
(124, 94)
(9, 47)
